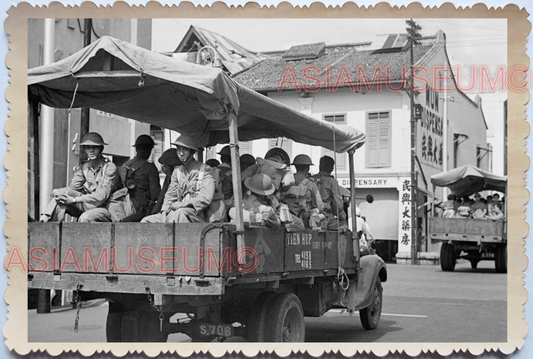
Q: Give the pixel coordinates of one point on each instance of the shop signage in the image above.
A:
(430, 144)
(378, 182)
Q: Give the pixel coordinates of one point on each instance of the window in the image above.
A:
(340, 158)
(378, 144)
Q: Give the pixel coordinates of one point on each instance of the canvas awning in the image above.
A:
(467, 180)
(120, 78)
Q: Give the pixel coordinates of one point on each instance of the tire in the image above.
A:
(447, 257)
(285, 320)
(500, 258)
(133, 326)
(256, 321)
(370, 315)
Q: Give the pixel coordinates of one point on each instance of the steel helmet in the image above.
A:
(260, 184)
(225, 151)
(278, 151)
(92, 139)
(302, 160)
(186, 141)
(247, 158)
(170, 158)
(144, 140)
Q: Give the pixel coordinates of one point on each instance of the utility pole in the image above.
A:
(414, 39)
(85, 111)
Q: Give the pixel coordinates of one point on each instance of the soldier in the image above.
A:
(90, 189)
(169, 159)
(257, 200)
(191, 188)
(331, 195)
(141, 177)
(303, 197)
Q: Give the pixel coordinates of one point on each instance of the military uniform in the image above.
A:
(194, 193)
(142, 177)
(92, 188)
(333, 204)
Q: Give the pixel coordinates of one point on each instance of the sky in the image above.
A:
(469, 42)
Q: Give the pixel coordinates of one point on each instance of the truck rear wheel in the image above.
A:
(370, 315)
(133, 326)
(500, 258)
(256, 321)
(447, 257)
(285, 319)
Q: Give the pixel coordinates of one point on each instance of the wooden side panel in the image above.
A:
(85, 247)
(266, 250)
(304, 250)
(339, 250)
(43, 246)
(189, 252)
(143, 248)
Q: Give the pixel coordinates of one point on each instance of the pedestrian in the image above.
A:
(191, 188)
(90, 189)
(141, 177)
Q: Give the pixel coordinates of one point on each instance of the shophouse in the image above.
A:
(51, 40)
(366, 86)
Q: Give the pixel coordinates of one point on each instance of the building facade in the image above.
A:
(366, 86)
(119, 132)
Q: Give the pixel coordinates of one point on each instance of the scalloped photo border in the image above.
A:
(15, 194)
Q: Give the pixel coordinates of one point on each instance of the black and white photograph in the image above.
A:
(262, 180)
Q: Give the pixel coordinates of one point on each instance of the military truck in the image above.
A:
(215, 280)
(470, 238)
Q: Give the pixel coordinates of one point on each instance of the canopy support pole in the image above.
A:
(355, 236)
(237, 186)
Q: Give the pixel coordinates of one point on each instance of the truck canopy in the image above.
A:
(467, 180)
(117, 77)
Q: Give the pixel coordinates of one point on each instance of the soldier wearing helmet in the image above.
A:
(331, 195)
(141, 177)
(303, 198)
(257, 200)
(90, 189)
(168, 160)
(191, 188)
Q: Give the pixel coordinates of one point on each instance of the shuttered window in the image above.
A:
(340, 158)
(378, 144)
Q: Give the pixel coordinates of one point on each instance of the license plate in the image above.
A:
(219, 330)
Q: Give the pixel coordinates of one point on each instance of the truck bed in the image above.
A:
(177, 259)
(467, 229)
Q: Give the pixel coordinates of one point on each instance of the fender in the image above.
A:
(372, 266)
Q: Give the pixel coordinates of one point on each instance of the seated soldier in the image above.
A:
(257, 200)
(449, 207)
(331, 195)
(141, 177)
(90, 189)
(303, 198)
(276, 166)
(169, 159)
(191, 188)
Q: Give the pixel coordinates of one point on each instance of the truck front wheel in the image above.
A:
(370, 315)
(285, 319)
(447, 257)
(500, 258)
